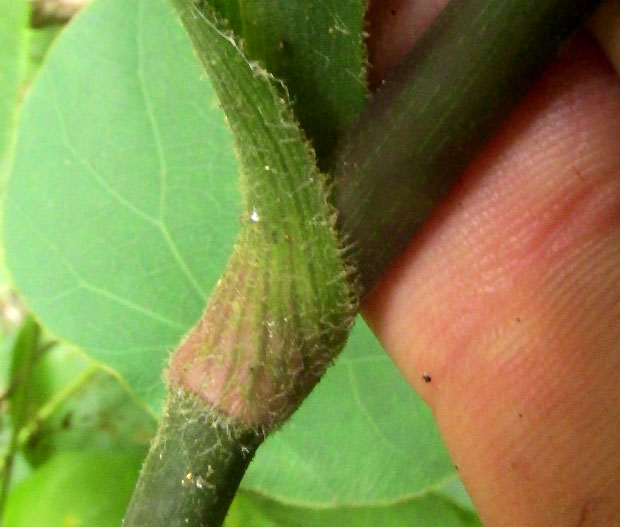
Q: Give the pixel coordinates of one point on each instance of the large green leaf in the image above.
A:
(75, 489)
(121, 211)
(252, 510)
(122, 205)
(13, 23)
(362, 436)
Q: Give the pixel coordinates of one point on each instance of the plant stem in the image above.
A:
(193, 468)
(33, 425)
(433, 115)
(275, 320)
(24, 355)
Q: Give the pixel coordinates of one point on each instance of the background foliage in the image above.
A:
(119, 215)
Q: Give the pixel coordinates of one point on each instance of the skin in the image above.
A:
(509, 298)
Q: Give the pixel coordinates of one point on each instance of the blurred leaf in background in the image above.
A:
(59, 402)
(75, 489)
(253, 510)
(13, 45)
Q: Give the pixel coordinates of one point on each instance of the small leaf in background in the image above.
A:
(11, 319)
(82, 406)
(42, 383)
(428, 510)
(75, 489)
(60, 400)
(13, 23)
(11, 326)
(24, 356)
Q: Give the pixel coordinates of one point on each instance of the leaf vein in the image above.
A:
(150, 113)
(93, 288)
(91, 169)
(365, 412)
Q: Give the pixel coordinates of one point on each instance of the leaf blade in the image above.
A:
(378, 442)
(74, 107)
(68, 491)
(13, 44)
(253, 510)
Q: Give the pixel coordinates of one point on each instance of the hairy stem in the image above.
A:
(193, 468)
(277, 317)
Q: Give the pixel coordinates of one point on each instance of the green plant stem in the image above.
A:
(29, 429)
(25, 353)
(433, 115)
(193, 468)
(416, 136)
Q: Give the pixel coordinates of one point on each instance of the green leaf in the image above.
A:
(253, 510)
(455, 491)
(316, 48)
(377, 441)
(122, 205)
(44, 380)
(75, 489)
(60, 400)
(13, 23)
